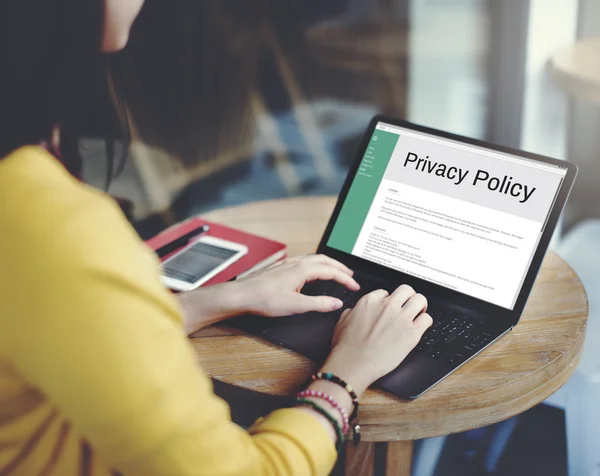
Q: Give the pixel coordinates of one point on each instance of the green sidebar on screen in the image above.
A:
(362, 191)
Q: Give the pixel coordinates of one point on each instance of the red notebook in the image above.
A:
(262, 252)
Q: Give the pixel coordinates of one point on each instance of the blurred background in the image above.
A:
(279, 102)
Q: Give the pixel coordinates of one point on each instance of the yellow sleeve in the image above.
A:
(94, 330)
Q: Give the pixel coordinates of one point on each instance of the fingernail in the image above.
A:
(336, 304)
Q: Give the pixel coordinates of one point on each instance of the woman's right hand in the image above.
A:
(372, 339)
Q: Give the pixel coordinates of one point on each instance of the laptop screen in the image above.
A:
(458, 215)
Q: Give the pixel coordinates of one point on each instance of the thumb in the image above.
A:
(301, 303)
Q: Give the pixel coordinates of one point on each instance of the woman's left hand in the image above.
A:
(275, 291)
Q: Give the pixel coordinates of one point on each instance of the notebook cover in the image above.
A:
(259, 248)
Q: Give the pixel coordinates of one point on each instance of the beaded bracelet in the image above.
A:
(332, 402)
(336, 425)
(338, 381)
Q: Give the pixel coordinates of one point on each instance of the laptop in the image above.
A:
(464, 222)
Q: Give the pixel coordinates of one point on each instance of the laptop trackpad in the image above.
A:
(414, 376)
(311, 335)
(308, 334)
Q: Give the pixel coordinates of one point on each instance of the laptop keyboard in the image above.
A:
(453, 338)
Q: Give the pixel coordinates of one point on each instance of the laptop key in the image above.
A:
(446, 338)
(454, 359)
(421, 348)
(450, 359)
(449, 327)
(483, 340)
(334, 289)
(463, 344)
(436, 354)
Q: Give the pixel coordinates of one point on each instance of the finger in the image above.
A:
(301, 303)
(382, 293)
(378, 294)
(324, 259)
(415, 306)
(326, 273)
(423, 322)
(401, 295)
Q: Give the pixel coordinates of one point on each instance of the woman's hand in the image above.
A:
(372, 339)
(272, 292)
(275, 291)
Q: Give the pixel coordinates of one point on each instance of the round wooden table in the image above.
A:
(518, 372)
(576, 69)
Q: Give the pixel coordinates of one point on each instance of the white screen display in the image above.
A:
(461, 216)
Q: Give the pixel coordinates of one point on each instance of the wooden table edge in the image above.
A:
(577, 86)
(516, 396)
(513, 406)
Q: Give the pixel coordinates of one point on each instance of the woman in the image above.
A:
(96, 374)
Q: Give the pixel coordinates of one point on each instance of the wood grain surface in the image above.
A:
(360, 460)
(521, 370)
(399, 458)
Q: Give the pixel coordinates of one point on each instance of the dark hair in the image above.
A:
(53, 74)
(188, 73)
(187, 91)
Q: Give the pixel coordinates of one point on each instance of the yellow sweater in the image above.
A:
(96, 374)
